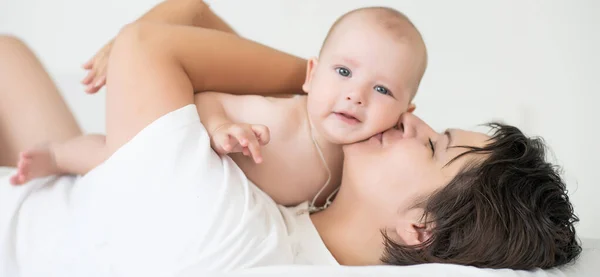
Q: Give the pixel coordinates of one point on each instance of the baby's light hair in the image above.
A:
(393, 22)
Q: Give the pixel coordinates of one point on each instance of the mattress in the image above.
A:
(587, 265)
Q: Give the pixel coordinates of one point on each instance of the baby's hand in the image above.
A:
(96, 67)
(240, 137)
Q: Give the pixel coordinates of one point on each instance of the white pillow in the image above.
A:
(588, 264)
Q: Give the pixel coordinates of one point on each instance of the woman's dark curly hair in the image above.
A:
(509, 209)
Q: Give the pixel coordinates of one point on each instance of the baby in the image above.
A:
(368, 71)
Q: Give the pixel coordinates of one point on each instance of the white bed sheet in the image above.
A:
(588, 265)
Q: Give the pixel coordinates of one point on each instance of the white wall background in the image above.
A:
(532, 63)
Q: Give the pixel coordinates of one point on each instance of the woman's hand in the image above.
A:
(96, 67)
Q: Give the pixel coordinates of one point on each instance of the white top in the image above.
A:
(163, 203)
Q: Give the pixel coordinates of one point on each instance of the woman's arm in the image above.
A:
(177, 12)
(155, 69)
(186, 12)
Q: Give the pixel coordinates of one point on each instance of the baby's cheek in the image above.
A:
(403, 107)
(387, 119)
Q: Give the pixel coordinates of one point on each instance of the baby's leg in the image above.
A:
(75, 156)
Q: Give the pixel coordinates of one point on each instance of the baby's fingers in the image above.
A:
(246, 151)
(262, 133)
(89, 64)
(247, 139)
(89, 77)
(96, 85)
(254, 148)
(222, 144)
(240, 134)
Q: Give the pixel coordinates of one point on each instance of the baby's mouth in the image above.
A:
(347, 118)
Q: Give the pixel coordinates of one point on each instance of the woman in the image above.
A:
(164, 202)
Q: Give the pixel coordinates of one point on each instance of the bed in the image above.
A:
(587, 265)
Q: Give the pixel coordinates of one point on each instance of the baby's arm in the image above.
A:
(226, 134)
(75, 156)
(211, 110)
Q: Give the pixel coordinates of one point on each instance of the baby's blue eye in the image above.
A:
(343, 71)
(382, 90)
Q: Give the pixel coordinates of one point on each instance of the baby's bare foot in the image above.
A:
(35, 163)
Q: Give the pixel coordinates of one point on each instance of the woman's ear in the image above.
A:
(310, 69)
(414, 231)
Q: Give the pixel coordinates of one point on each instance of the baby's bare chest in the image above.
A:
(292, 170)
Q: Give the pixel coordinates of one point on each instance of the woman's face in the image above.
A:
(394, 171)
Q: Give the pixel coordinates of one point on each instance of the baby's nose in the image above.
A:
(354, 99)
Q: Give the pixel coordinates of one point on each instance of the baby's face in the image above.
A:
(361, 84)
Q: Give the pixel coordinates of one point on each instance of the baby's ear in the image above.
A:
(310, 70)
(411, 108)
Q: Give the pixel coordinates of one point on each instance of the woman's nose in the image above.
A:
(412, 126)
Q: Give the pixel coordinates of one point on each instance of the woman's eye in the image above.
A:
(382, 90)
(432, 148)
(343, 71)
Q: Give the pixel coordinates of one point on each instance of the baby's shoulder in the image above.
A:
(293, 105)
(285, 116)
(280, 114)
